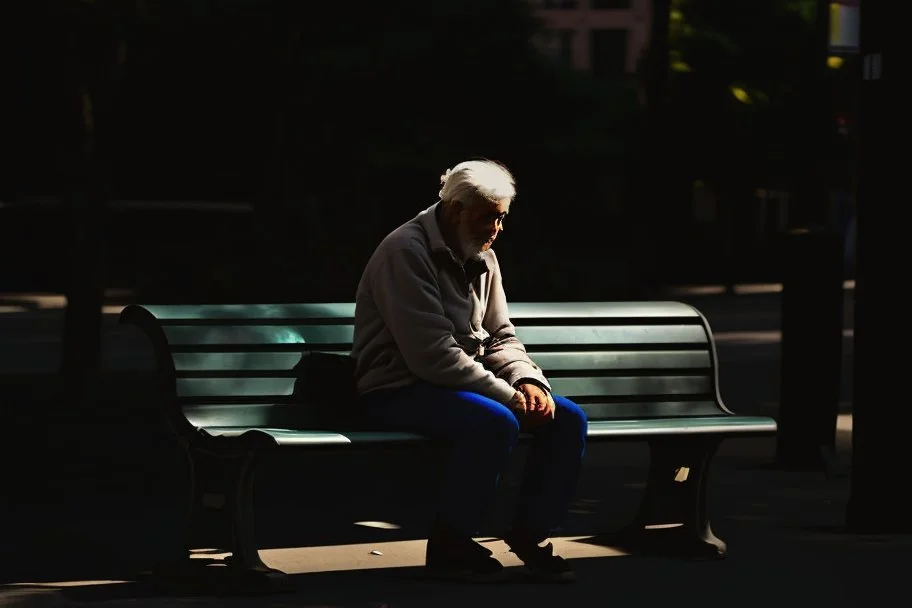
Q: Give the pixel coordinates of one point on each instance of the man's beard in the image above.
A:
(472, 248)
(475, 257)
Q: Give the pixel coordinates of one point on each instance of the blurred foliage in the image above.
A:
(750, 43)
(744, 84)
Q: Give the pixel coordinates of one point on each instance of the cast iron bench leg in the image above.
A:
(672, 519)
(221, 518)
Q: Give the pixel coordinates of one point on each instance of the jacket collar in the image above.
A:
(428, 221)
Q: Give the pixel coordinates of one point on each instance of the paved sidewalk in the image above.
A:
(784, 531)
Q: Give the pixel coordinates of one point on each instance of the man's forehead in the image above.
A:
(501, 206)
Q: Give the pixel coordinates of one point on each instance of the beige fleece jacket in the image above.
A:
(421, 315)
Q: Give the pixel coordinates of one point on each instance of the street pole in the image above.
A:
(882, 416)
(812, 278)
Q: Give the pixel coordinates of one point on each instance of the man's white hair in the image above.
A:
(473, 179)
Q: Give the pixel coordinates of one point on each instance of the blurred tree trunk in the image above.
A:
(652, 186)
(92, 56)
(881, 418)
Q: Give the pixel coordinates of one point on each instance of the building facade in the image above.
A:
(604, 37)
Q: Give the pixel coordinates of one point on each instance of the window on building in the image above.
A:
(609, 52)
(610, 5)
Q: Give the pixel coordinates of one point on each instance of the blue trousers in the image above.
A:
(481, 433)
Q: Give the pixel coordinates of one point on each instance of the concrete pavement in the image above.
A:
(783, 530)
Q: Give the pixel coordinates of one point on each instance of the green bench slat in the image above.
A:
(617, 386)
(234, 387)
(243, 361)
(246, 415)
(612, 334)
(548, 361)
(346, 310)
(266, 335)
(683, 426)
(600, 360)
(241, 335)
(570, 387)
(726, 425)
(295, 416)
(246, 312)
(582, 310)
(292, 437)
(665, 408)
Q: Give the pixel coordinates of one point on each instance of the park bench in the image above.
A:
(230, 376)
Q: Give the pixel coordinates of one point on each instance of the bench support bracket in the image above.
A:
(221, 520)
(672, 519)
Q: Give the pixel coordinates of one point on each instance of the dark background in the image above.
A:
(317, 129)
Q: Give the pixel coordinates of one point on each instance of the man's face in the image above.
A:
(479, 225)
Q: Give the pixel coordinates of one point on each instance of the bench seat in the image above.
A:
(601, 429)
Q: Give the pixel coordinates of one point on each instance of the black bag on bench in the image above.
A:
(325, 384)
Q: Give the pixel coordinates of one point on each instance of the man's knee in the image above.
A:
(504, 423)
(490, 418)
(570, 416)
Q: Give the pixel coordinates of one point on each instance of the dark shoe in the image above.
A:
(461, 559)
(540, 560)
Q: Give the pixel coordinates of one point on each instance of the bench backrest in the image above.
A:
(233, 365)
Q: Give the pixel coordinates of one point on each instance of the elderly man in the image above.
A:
(436, 354)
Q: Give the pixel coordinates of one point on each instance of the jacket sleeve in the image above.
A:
(506, 355)
(407, 295)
